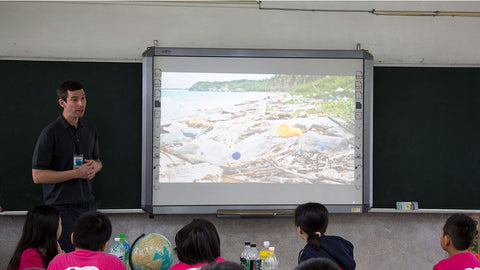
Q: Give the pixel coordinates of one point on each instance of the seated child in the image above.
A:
(197, 244)
(90, 237)
(311, 220)
(38, 243)
(317, 264)
(457, 236)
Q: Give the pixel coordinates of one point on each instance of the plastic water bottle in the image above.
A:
(243, 255)
(126, 246)
(253, 258)
(264, 251)
(250, 148)
(316, 143)
(214, 152)
(118, 249)
(271, 261)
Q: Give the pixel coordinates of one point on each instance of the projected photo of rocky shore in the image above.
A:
(256, 128)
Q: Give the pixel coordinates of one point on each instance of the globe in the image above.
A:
(152, 251)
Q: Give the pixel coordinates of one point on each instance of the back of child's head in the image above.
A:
(197, 242)
(91, 231)
(461, 229)
(317, 264)
(222, 266)
(41, 223)
(312, 218)
(39, 231)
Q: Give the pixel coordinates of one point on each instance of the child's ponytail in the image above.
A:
(313, 240)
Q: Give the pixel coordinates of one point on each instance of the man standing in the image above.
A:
(66, 159)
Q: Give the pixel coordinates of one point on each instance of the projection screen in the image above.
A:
(244, 129)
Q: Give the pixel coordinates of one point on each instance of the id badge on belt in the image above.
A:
(77, 161)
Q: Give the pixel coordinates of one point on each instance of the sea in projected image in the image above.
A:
(184, 103)
(256, 128)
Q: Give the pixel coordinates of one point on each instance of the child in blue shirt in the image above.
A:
(311, 220)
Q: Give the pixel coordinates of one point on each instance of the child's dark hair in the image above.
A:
(197, 242)
(312, 218)
(461, 229)
(92, 230)
(39, 231)
(222, 266)
(317, 264)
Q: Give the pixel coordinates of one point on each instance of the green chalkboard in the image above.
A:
(114, 104)
(426, 137)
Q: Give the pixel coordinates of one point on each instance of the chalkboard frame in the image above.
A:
(148, 112)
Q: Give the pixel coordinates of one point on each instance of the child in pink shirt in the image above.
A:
(457, 236)
(197, 244)
(90, 237)
(38, 244)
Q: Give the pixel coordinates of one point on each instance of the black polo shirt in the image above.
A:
(55, 149)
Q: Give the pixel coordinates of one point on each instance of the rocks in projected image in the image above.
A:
(188, 173)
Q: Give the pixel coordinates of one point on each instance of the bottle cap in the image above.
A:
(122, 235)
(247, 243)
(117, 239)
(271, 249)
(266, 243)
(253, 245)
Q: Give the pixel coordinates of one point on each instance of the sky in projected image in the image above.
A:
(184, 80)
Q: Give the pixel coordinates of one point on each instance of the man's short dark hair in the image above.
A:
(197, 242)
(62, 90)
(461, 229)
(92, 230)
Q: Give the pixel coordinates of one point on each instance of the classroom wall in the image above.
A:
(381, 240)
(122, 31)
